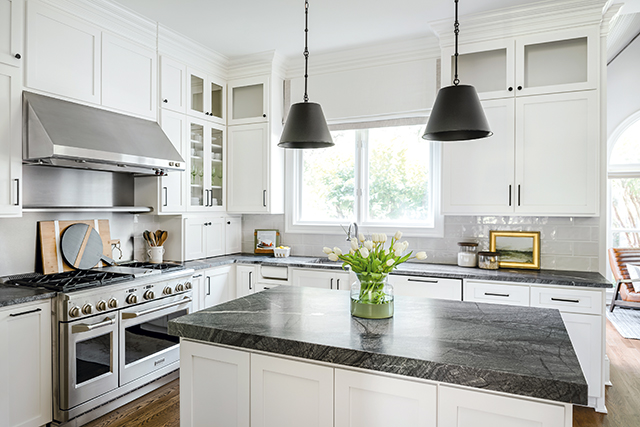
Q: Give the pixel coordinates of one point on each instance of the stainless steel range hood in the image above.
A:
(62, 133)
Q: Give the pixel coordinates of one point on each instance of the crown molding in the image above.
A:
(610, 20)
(190, 52)
(516, 21)
(371, 55)
(255, 64)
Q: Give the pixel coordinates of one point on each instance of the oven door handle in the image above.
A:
(153, 310)
(83, 327)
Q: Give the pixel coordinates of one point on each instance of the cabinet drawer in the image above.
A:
(496, 293)
(269, 272)
(428, 287)
(567, 300)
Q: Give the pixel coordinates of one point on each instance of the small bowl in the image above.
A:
(281, 253)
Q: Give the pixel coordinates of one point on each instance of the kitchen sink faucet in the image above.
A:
(352, 227)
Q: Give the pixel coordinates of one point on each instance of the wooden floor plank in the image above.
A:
(161, 408)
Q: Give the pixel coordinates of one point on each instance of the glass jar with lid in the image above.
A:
(467, 254)
(488, 260)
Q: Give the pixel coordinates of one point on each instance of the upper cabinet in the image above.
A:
(173, 85)
(206, 160)
(547, 62)
(207, 96)
(249, 100)
(10, 142)
(11, 29)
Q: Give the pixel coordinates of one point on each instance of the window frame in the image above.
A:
(293, 181)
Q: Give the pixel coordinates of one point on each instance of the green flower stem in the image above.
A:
(371, 289)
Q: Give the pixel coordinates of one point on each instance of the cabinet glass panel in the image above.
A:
(197, 94)
(248, 101)
(93, 358)
(555, 63)
(216, 100)
(487, 70)
(197, 165)
(217, 174)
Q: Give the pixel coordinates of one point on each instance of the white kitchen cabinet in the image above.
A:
(496, 292)
(204, 237)
(167, 194)
(319, 278)
(546, 62)
(557, 162)
(246, 279)
(25, 371)
(459, 407)
(10, 142)
(173, 84)
(11, 30)
(249, 100)
(368, 400)
(198, 287)
(290, 393)
(63, 54)
(207, 96)
(217, 286)
(233, 233)
(214, 385)
(206, 163)
(426, 287)
(129, 76)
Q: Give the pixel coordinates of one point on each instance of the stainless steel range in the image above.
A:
(110, 334)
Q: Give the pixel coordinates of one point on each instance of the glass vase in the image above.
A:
(371, 296)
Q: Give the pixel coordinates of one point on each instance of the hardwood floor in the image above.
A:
(161, 408)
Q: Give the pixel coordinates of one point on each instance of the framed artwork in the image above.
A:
(517, 249)
(265, 241)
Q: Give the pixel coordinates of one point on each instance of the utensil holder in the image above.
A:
(155, 254)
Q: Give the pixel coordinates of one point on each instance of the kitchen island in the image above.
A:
(295, 356)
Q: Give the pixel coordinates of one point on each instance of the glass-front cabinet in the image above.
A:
(207, 97)
(249, 100)
(206, 166)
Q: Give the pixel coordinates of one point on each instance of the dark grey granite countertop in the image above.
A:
(11, 294)
(519, 350)
(547, 277)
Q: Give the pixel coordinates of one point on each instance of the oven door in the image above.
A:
(88, 359)
(145, 344)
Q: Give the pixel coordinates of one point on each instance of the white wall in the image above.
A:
(623, 86)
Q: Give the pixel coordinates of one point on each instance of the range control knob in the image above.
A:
(101, 305)
(179, 287)
(187, 285)
(113, 303)
(167, 291)
(132, 299)
(87, 309)
(148, 295)
(74, 312)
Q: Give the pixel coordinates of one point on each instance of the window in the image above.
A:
(380, 177)
(624, 187)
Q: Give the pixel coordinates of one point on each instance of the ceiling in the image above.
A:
(241, 27)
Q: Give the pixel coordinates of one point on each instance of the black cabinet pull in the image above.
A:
(264, 198)
(199, 275)
(509, 194)
(17, 56)
(165, 195)
(338, 284)
(331, 285)
(574, 301)
(422, 280)
(491, 294)
(518, 194)
(25, 312)
(208, 285)
(17, 181)
(250, 274)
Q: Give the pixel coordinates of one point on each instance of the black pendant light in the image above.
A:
(457, 114)
(306, 126)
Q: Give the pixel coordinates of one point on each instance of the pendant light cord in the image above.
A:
(456, 31)
(306, 49)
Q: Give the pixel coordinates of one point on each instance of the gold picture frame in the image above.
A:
(516, 249)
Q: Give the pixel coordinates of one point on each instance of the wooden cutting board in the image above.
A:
(50, 234)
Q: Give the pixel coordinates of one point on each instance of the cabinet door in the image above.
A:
(427, 287)
(214, 386)
(216, 161)
(129, 79)
(496, 293)
(215, 237)
(233, 235)
(199, 289)
(10, 142)
(477, 175)
(174, 185)
(173, 85)
(207, 96)
(468, 408)
(248, 169)
(313, 278)
(557, 145)
(25, 372)
(64, 54)
(290, 393)
(195, 241)
(245, 280)
(585, 331)
(216, 286)
(249, 100)
(11, 24)
(366, 400)
(559, 61)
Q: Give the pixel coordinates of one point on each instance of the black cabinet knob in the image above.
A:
(166, 101)
(519, 87)
(17, 56)
(264, 115)
(510, 88)
(229, 222)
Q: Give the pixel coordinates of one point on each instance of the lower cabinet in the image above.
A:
(246, 279)
(496, 293)
(212, 287)
(324, 279)
(25, 364)
(427, 287)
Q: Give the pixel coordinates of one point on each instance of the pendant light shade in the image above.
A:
(306, 126)
(457, 114)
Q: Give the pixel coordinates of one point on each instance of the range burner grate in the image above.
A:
(72, 280)
(164, 266)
